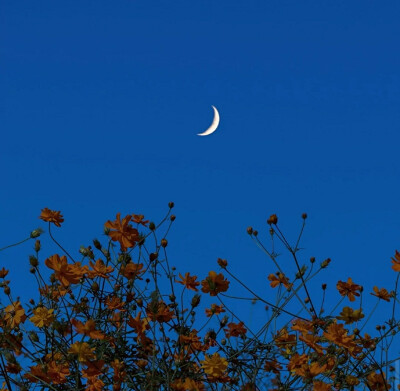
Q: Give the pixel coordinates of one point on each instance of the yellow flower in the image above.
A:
(350, 316)
(214, 365)
(14, 314)
(83, 350)
(42, 317)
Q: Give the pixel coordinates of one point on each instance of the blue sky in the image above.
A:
(101, 103)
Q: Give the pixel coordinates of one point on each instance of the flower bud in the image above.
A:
(323, 286)
(33, 261)
(171, 205)
(97, 244)
(196, 300)
(7, 290)
(37, 245)
(222, 262)
(33, 336)
(153, 256)
(255, 233)
(312, 259)
(152, 226)
(325, 263)
(172, 218)
(224, 321)
(273, 219)
(32, 270)
(36, 233)
(164, 243)
(95, 287)
(304, 216)
(250, 230)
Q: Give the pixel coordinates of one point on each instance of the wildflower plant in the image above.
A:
(102, 321)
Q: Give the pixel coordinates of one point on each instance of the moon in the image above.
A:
(214, 125)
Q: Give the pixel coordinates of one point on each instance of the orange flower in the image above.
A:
(67, 274)
(58, 372)
(312, 341)
(89, 329)
(337, 334)
(296, 362)
(348, 289)
(377, 382)
(99, 269)
(381, 293)
(272, 366)
(115, 303)
(194, 342)
(139, 325)
(281, 279)
(321, 386)
(138, 219)
(94, 384)
(52, 216)
(123, 232)
(133, 270)
(215, 309)
(214, 284)
(284, 340)
(235, 330)
(159, 311)
(189, 281)
(309, 371)
(14, 314)
(302, 326)
(396, 262)
(187, 385)
(94, 368)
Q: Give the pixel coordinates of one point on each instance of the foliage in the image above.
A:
(103, 322)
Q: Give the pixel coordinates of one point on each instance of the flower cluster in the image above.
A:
(103, 322)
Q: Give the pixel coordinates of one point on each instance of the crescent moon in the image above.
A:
(214, 125)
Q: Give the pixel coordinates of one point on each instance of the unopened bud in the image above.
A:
(323, 286)
(37, 245)
(171, 205)
(304, 216)
(273, 219)
(33, 261)
(312, 259)
(250, 230)
(152, 226)
(36, 233)
(224, 321)
(325, 263)
(7, 290)
(172, 218)
(196, 300)
(97, 244)
(153, 256)
(164, 243)
(222, 262)
(95, 286)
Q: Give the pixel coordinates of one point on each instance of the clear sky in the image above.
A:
(101, 103)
